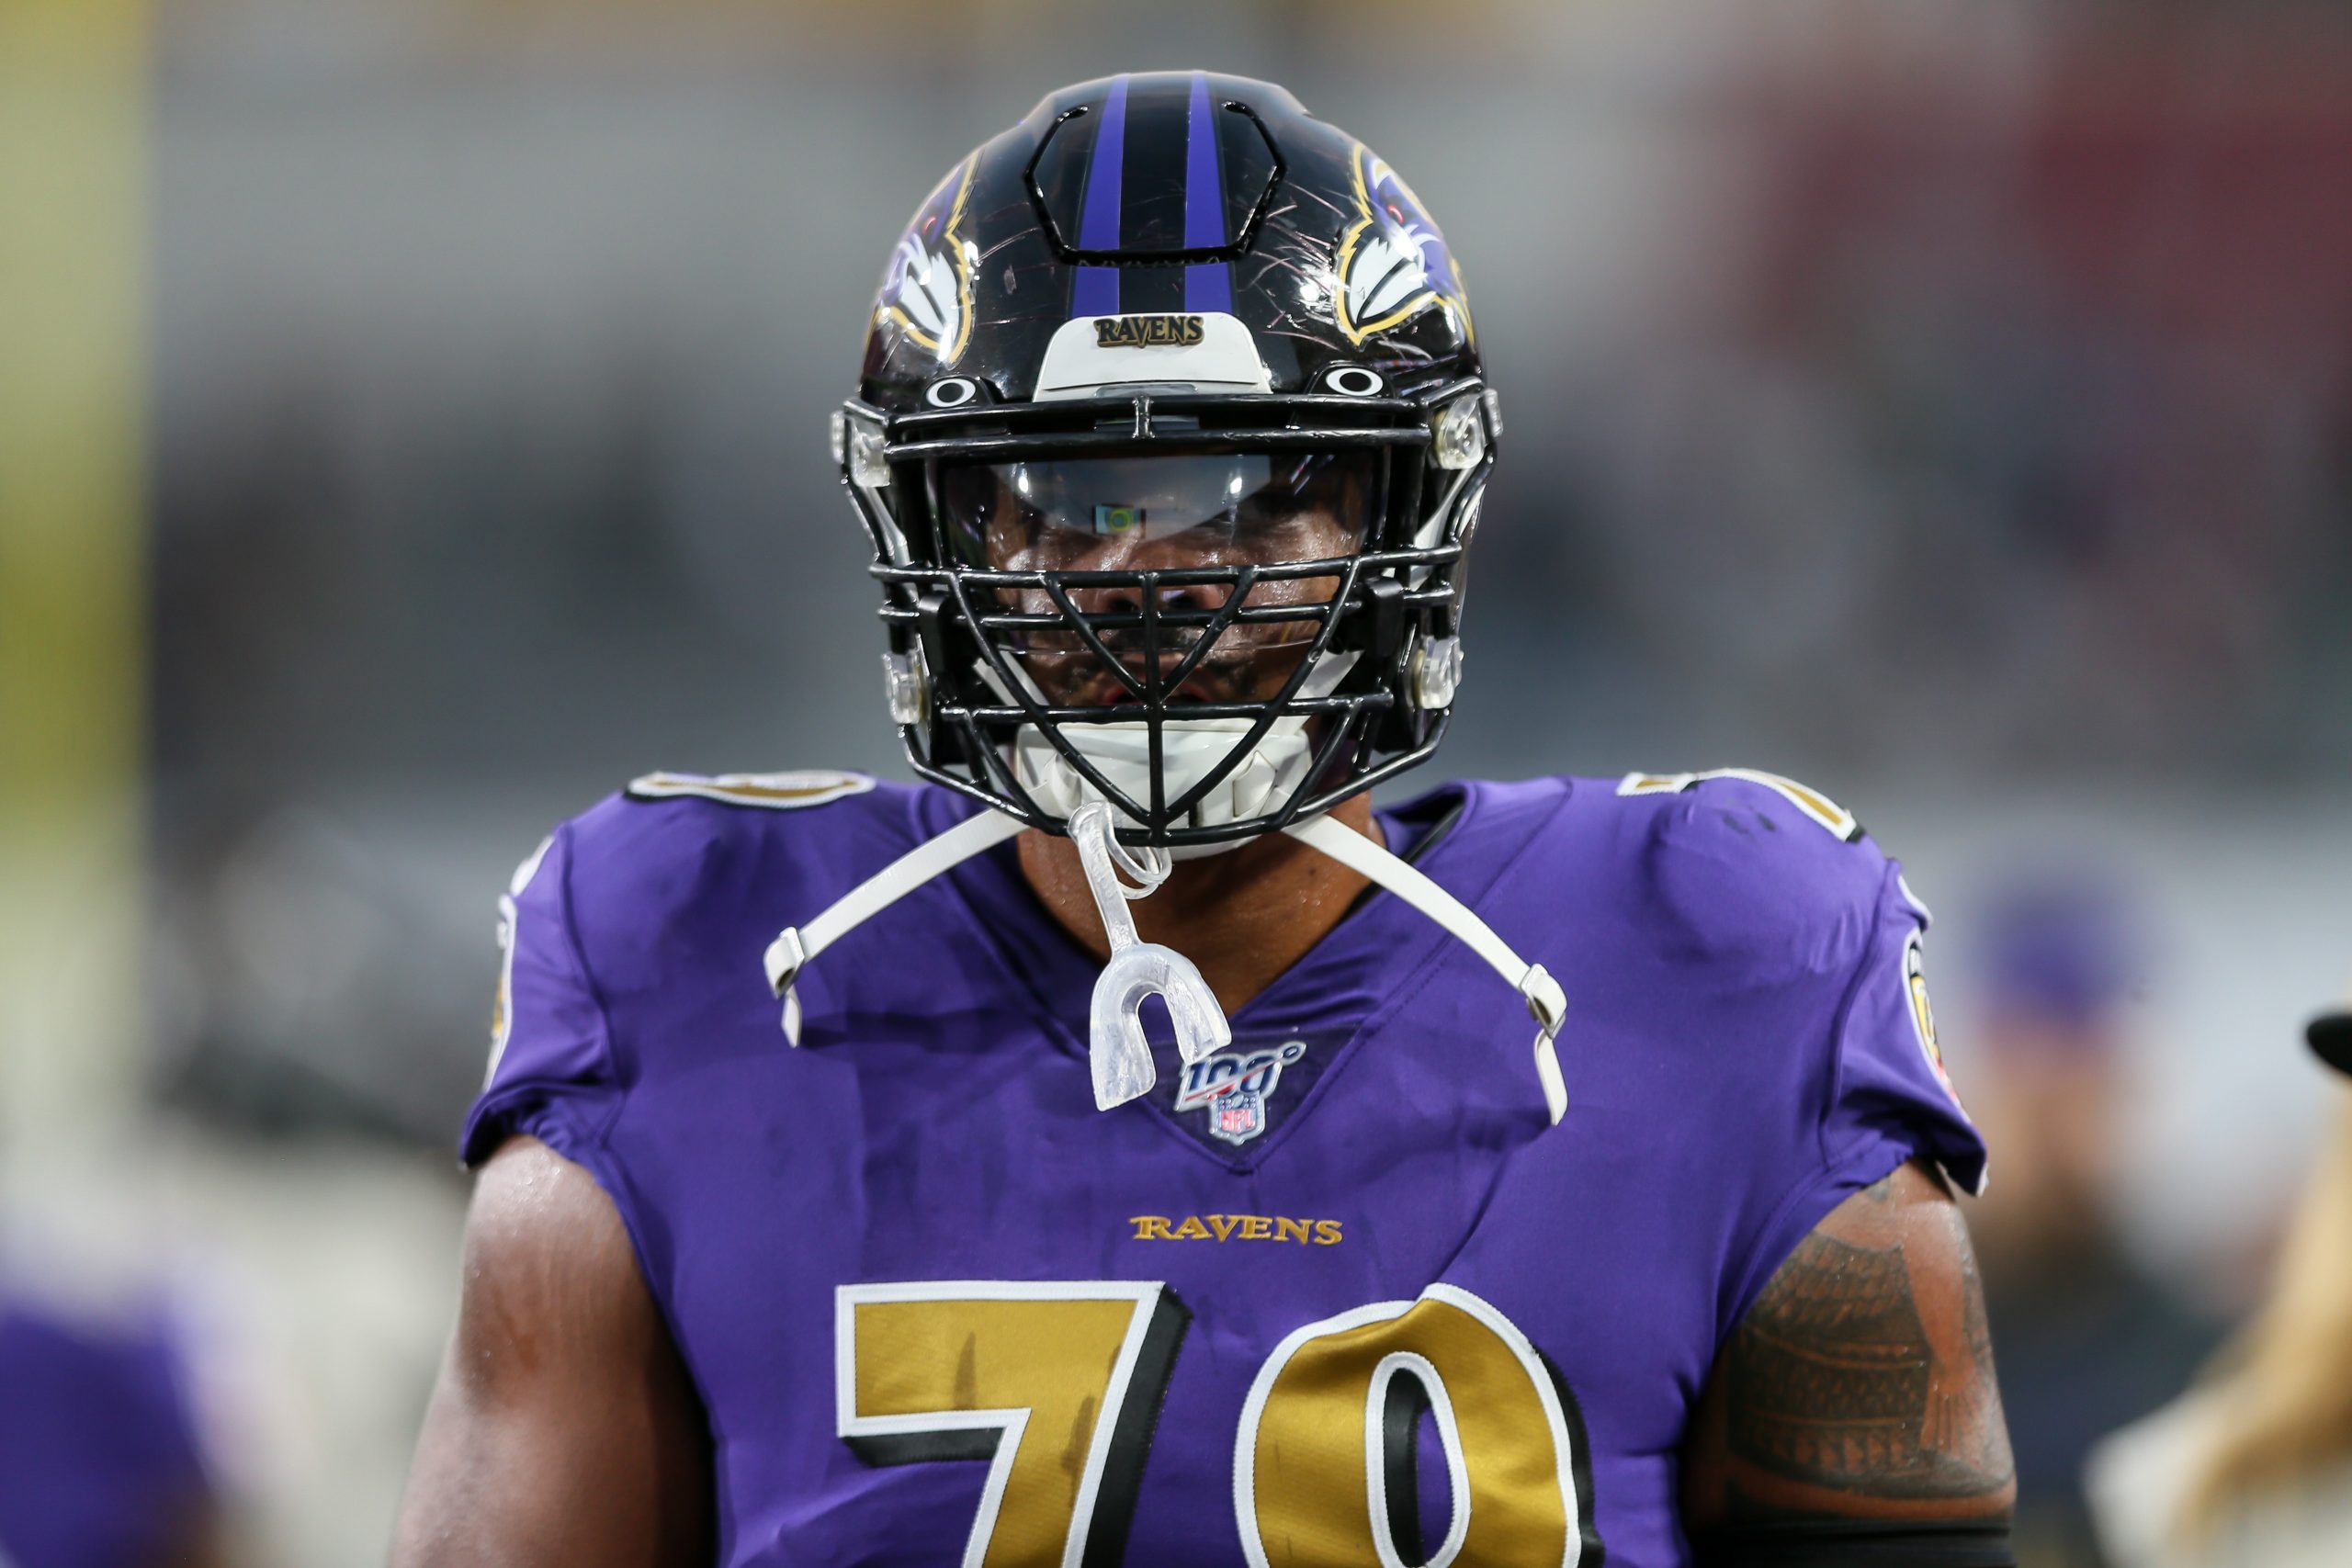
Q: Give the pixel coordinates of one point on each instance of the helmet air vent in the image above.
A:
(1154, 171)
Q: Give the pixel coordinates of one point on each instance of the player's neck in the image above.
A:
(1244, 917)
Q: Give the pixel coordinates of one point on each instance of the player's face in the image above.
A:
(1138, 514)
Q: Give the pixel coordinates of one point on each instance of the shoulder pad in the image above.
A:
(1749, 863)
(767, 792)
(724, 857)
(1833, 818)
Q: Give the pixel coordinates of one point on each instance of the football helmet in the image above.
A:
(1170, 435)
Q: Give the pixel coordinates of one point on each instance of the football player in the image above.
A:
(1129, 1146)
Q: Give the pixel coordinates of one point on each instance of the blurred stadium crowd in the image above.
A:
(1947, 403)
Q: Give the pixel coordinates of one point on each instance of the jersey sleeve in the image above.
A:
(1888, 1084)
(550, 1065)
(1883, 1099)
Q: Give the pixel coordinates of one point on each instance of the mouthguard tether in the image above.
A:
(1121, 1056)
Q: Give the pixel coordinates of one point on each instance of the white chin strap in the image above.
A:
(1546, 1003)
(1121, 1056)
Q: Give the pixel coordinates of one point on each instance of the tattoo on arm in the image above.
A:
(1861, 1382)
(1833, 1378)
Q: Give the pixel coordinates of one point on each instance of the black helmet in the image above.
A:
(1170, 435)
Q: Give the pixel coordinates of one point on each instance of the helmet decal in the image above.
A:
(1393, 262)
(927, 288)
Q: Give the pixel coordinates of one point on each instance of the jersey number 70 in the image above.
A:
(1032, 1376)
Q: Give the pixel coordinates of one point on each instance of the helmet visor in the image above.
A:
(1140, 514)
(1144, 514)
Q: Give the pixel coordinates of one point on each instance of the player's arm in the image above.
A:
(1852, 1416)
(564, 1429)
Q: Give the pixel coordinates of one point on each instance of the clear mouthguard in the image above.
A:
(1121, 1054)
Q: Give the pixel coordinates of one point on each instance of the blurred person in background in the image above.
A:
(2254, 1468)
(2089, 1337)
(101, 1464)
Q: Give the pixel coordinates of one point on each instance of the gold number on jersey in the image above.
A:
(1326, 1409)
(1056, 1385)
(1812, 801)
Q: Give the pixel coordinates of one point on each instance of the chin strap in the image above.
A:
(1121, 1056)
(790, 953)
(1546, 1003)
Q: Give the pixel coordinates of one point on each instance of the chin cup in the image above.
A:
(1190, 750)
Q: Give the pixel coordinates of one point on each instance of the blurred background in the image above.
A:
(411, 427)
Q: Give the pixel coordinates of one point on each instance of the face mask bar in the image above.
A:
(963, 637)
(987, 727)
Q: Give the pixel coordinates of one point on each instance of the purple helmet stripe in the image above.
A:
(1098, 225)
(1208, 287)
(1203, 180)
(1096, 291)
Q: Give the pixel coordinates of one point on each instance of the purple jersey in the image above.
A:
(100, 1463)
(1341, 1295)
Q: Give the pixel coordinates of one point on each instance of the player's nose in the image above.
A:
(1141, 556)
(1128, 598)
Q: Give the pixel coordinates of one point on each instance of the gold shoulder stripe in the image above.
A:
(1812, 801)
(771, 792)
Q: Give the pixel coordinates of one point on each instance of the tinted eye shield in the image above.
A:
(1383, 585)
(903, 453)
(1163, 510)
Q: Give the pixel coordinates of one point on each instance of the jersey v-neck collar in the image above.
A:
(1337, 991)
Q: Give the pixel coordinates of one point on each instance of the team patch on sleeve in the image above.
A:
(1923, 1014)
(770, 792)
(502, 1005)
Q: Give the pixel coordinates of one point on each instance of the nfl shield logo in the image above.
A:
(1240, 1115)
(1233, 1087)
